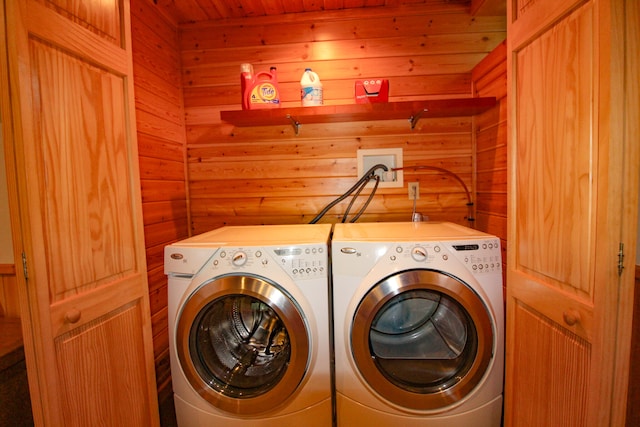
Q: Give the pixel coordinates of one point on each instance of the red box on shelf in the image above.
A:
(372, 90)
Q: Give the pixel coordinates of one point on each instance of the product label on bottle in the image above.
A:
(264, 93)
(311, 95)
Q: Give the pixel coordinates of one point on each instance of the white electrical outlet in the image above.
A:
(414, 190)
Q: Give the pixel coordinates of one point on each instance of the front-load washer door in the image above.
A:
(242, 343)
(421, 339)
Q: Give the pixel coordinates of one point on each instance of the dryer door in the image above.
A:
(421, 339)
(242, 343)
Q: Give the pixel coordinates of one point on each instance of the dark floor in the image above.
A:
(168, 413)
(15, 405)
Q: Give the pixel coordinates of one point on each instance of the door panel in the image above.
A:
(84, 180)
(554, 195)
(555, 183)
(527, 18)
(111, 373)
(566, 321)
(103, 19)
(87, 308)
(557, 394)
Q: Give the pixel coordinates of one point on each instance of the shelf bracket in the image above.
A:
(295, 123)
(416, 117)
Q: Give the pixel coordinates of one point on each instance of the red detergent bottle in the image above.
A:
(246, 82)
(263, 92)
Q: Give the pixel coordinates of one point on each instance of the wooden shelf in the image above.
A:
(410, 110)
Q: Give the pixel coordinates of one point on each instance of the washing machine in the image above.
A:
(419, 325)
(248, 311)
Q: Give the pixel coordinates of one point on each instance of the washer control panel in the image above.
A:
(304, 261)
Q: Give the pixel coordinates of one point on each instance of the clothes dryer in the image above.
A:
(419, 325)
(249, 327)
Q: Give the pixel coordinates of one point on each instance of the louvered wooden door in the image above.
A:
(88, 340)
(573, 178)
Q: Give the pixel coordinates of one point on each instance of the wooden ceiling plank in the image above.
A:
(273, 7)
(187, 11)
(333, 5)
(313, 5)
(293, 6)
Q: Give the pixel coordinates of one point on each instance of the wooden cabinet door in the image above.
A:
(573, 80)
(86, 311)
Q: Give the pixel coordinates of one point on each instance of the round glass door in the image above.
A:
(242, 343)
(422, 340)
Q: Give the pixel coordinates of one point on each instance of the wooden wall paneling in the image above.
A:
(410, 46)
(369, 23)
(205, 224)
(289, 55)
(161, 144)
(156, 191)
(490, 79)
(405, 84)
(488, 7)
(332, 157)
(206, 136)
(274, 176)
(281, 207)
(9, 302)
(199, 73)
(267, 174)
(340, 91)
(203, 133)
(434, 204)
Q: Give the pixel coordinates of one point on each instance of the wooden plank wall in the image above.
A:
(161, 146)
(490, 79)
(262, 175)
(9, 302)
(267, 174)
(633, 398)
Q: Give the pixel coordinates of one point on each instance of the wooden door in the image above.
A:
(573, 81)
(84, 294)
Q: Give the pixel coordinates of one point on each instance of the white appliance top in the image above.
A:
(187, 256)
(260, 235)
(405, 231)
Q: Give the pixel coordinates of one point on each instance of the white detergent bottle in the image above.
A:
(310, 89)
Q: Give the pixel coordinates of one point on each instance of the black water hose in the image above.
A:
(353, 199)
(363, 180)
(366, 204)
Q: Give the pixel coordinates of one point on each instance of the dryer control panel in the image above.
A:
(481, 256)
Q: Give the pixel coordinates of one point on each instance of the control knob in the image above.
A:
(419, 254)
(239, 259)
